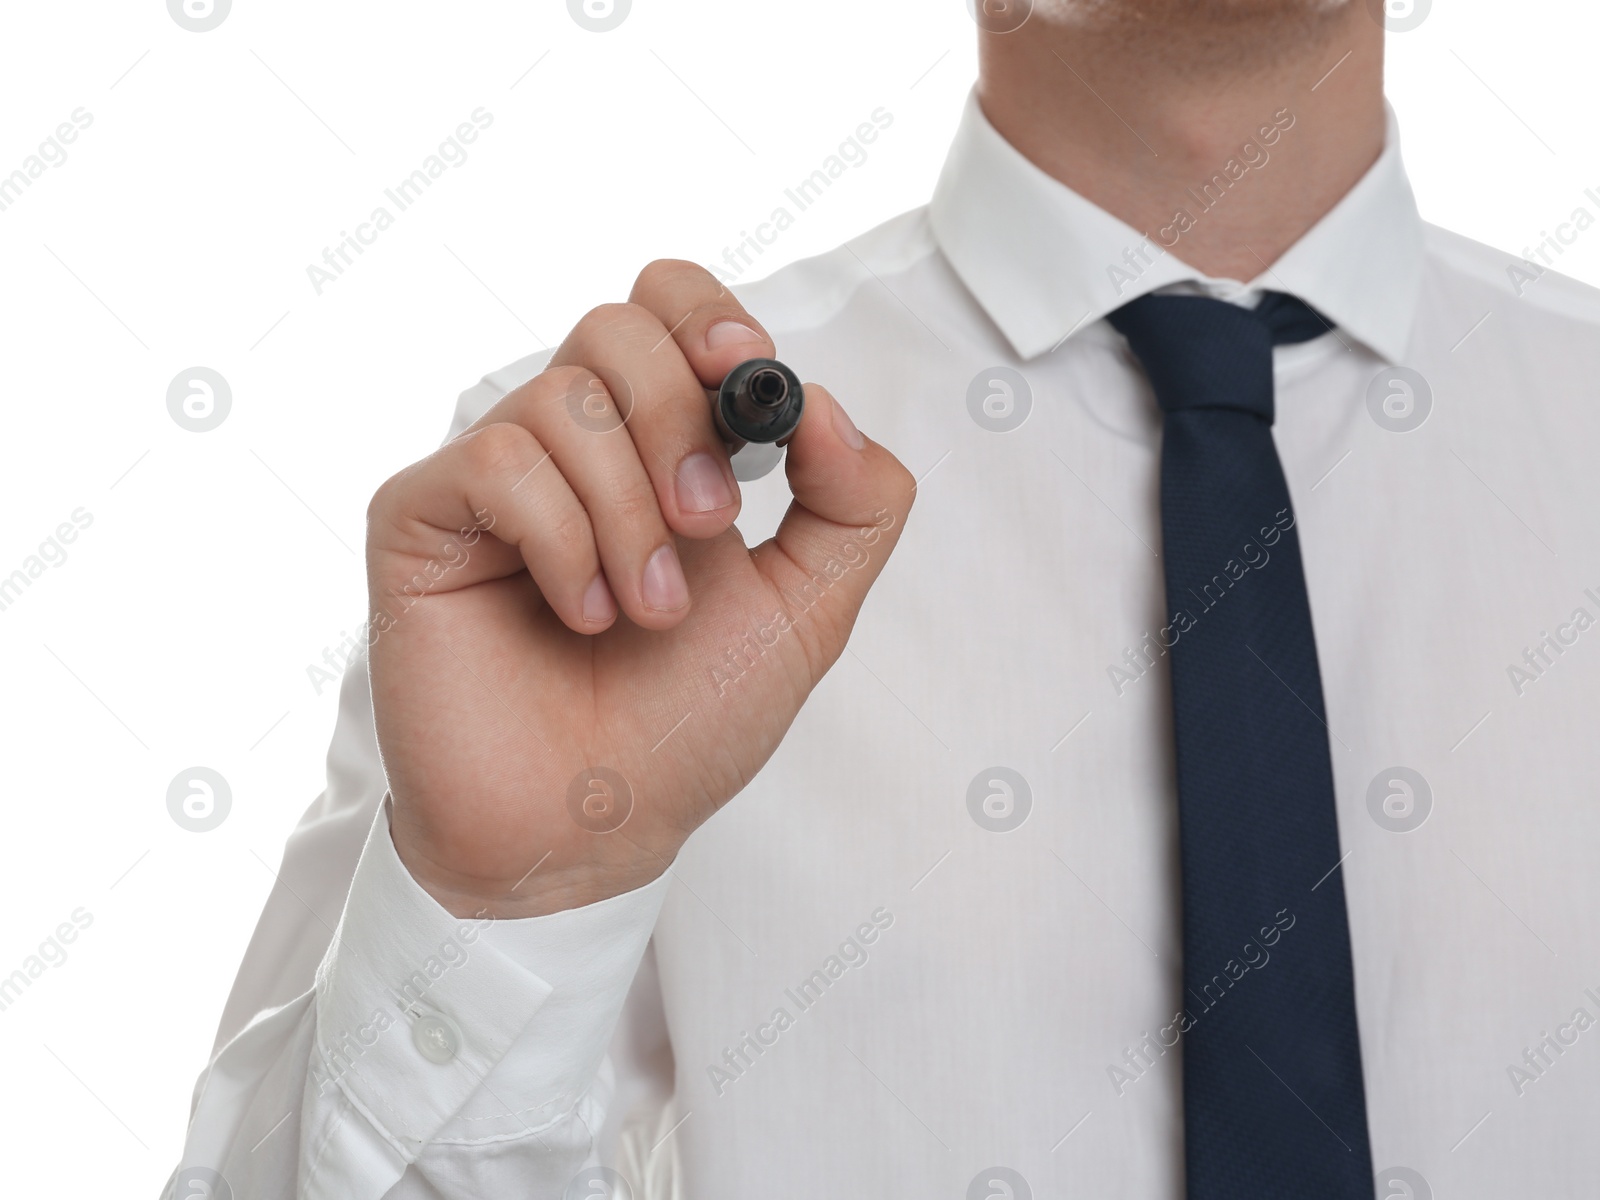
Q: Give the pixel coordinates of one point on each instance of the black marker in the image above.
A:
(759, 401)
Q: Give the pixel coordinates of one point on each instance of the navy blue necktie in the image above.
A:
(1272, 1091)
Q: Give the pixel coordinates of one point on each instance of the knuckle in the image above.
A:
(663, 272)
(499, 449)
(383, 499)
(570, 387)
(635, 507)
(568, 533)
(907, 487)
(614, 323)
(561, 380)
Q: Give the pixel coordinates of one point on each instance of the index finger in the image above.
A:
(712, 329)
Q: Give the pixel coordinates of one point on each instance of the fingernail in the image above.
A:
(702, 487)
(846, 428)
(598, 603)
(665, 589)
(731, 333)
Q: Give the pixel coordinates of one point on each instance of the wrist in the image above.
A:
(545, 889)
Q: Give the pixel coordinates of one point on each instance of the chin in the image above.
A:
(1110, 13)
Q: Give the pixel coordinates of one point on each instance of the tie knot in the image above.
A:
(1206, 353)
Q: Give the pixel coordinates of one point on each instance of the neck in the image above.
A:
(1222, 141)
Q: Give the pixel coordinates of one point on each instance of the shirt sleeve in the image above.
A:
(374, 1045)
(470, 1048)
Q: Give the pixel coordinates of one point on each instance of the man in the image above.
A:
(1095, 865)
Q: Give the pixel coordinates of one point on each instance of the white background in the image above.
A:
(220, 565)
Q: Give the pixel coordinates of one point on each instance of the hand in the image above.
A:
(543, 749)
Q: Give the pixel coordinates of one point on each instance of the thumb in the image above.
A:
(851, 497)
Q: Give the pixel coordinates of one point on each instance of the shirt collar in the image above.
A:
(1044, 262)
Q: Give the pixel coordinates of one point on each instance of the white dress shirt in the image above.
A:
(864, 977)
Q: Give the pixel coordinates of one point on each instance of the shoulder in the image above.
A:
(813, 291)
(1512, 348)
(1531, 285)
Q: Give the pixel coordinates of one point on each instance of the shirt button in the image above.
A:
(437, 1037)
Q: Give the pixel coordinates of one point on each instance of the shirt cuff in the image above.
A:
(416, 1007)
